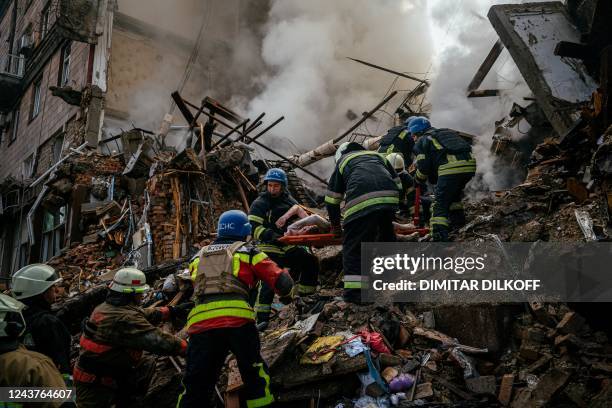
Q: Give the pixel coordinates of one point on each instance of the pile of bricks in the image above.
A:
(81, 264)
(91, 165)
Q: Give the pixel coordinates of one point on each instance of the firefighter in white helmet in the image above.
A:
(110, 368)
(20, 367)
(36, 286)
(407, 194)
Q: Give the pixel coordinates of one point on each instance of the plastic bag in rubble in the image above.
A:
(169, 285)
(354, 347)
(305, 224)
(465, 362)
(369, 402)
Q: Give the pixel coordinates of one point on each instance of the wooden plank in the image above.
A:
(486, 66)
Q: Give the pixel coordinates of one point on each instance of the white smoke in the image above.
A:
(310, 81)
(463, 36)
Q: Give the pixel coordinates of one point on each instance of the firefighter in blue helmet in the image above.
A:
(222, 319)
(263, 215)
(445, 159)
(371, 191)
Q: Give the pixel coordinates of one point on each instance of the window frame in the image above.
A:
(64, 65)
(35, 105)
(44, 20)
(52, 239)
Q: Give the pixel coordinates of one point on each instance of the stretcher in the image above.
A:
(315, 240)
(416, 219)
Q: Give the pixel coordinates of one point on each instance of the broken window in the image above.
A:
(58, 144)
(36, 96)
(64, 72)
(27, 168)
(14, 126)
(26, 40)
(53, 233)
(44, 21)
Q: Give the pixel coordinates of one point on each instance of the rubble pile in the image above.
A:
(566, 197)
(336, 354)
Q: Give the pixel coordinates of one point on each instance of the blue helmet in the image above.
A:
(418, 124)
(278, 175)
(233, 224)
(408, 121)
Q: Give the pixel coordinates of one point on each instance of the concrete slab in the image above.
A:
(530, 32)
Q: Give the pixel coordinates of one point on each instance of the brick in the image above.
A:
(505, 389)
(481, 385)
(572, 322)
(423, 391)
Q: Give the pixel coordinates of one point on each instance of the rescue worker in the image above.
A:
(263, 215)
(110, 368)
(407, 195)
(222, 320)
(398, 140)
(20, 367)
(446, 160)
(371, 189)
(36, 286)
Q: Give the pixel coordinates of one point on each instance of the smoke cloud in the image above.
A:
(308, 78)
(463, 36)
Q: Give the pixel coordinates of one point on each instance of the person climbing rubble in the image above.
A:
(407, 195)
(110, 368)
(398, 140)
(446, 160)
(222, 320)
(264, 214)
(20, 367)
(371, 190)
(36, 286)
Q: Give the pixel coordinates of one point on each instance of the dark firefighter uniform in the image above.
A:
(46, 334)
(223, 321)
(110, 366)
(20, 367)
(370, 189)
(446, 160)
(397, 140)
(302, 264)
(407, 194)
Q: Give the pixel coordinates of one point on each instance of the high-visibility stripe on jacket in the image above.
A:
(397, 140)
(433, 159)
(367, 181)
(264, 213)
(250, 265)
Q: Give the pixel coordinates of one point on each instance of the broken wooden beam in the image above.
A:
(486, 66)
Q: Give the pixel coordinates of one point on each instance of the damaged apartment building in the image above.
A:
(71, 72)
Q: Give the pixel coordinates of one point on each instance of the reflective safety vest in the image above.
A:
(217, 274)
(218, 271)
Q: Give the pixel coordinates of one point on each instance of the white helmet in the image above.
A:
(129, 280)
(397, 161)
(9, 328)
(344, 147)
(33, 280)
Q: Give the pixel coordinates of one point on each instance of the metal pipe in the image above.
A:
(231, 132)
(52, 168)
(286, 159)
(276, 122)
(389, 70)
(365, 117)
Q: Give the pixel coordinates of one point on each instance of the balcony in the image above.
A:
(12, 68)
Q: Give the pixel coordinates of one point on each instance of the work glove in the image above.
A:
(336, 230)
(182, 310)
